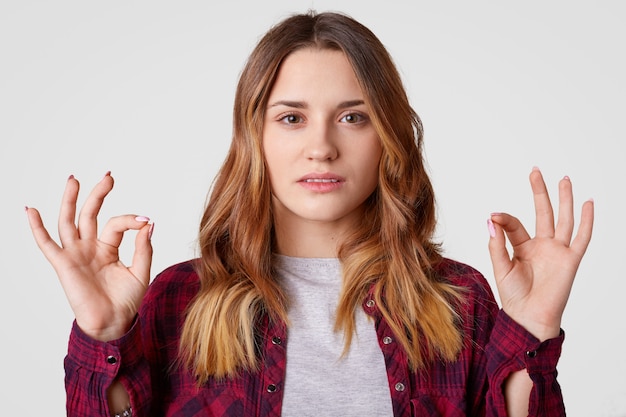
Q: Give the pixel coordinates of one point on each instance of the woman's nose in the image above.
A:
(321, 143)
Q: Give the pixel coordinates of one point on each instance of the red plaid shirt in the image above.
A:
(144, 360)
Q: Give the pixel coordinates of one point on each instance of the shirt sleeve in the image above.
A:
(91, 366)
(511, 348)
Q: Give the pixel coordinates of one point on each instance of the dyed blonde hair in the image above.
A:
(392, 249)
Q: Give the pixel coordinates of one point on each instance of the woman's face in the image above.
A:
(321, 149)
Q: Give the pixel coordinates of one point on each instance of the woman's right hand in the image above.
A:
(104, 294)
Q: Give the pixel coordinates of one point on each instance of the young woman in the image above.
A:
(319, 289)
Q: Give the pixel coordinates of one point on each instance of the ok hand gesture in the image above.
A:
(534, 284)
(104, 294)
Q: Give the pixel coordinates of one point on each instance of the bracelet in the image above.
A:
(127, 412)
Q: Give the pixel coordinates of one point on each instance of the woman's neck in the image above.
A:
(302, 238)
(307, 240)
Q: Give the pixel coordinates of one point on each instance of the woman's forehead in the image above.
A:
(314, 72)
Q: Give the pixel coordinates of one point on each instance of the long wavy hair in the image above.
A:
(391, 251)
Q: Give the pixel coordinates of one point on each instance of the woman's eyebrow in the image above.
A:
(304, 105)
(350, 103)
(289, 103)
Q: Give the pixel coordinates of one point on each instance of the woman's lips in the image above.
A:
(321, 183)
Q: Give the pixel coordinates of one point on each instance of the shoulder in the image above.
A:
(162, 311)
(470, 280)
(181, 273)
(459, 274)
(177, 284)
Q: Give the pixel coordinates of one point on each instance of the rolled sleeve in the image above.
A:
(91, 366)
(512, 348)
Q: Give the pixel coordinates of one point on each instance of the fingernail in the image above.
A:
(536, 168)
(491, 228)
(142, 219)
(25, 208)
(107, 174)
(150, 231)
(496, 213)
(71, 177)
(566, 178)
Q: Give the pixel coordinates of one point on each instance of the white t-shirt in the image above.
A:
(319, 382)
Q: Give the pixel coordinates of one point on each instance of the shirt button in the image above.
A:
(370, 303)
(271, 388)
(387, 340)
(111, 360)
(399, 387)
(531, 354)
(277, 340)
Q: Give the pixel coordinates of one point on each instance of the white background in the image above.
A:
(145, 89)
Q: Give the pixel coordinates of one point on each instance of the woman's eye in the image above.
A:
(291, 119)
(353, 118)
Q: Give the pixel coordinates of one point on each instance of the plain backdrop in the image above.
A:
(145, 89)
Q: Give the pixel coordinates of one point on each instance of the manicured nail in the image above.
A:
(142, 219)
(566, 178)
(150, 231)
(536, 168)
(71, 177)
(107, 174)
(25, 208)
(496, 213)
(491, 228)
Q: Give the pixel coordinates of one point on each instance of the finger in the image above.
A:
(67, 214)
(113, 231)
(142, 257)
(543, 208)
(45, 243)
(565, 224)
(88, 217)
(500, 258)
(583, 236)
(512, 227)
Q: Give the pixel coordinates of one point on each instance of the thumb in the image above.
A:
(500, 258)
(142, 257)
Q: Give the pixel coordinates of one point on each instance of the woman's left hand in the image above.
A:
(535, 283)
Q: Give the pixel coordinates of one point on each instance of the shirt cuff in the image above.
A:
(105, 357)
(513, 344)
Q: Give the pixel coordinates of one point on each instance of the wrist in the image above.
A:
(105, 334)
(543, 333)
(541, 330)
